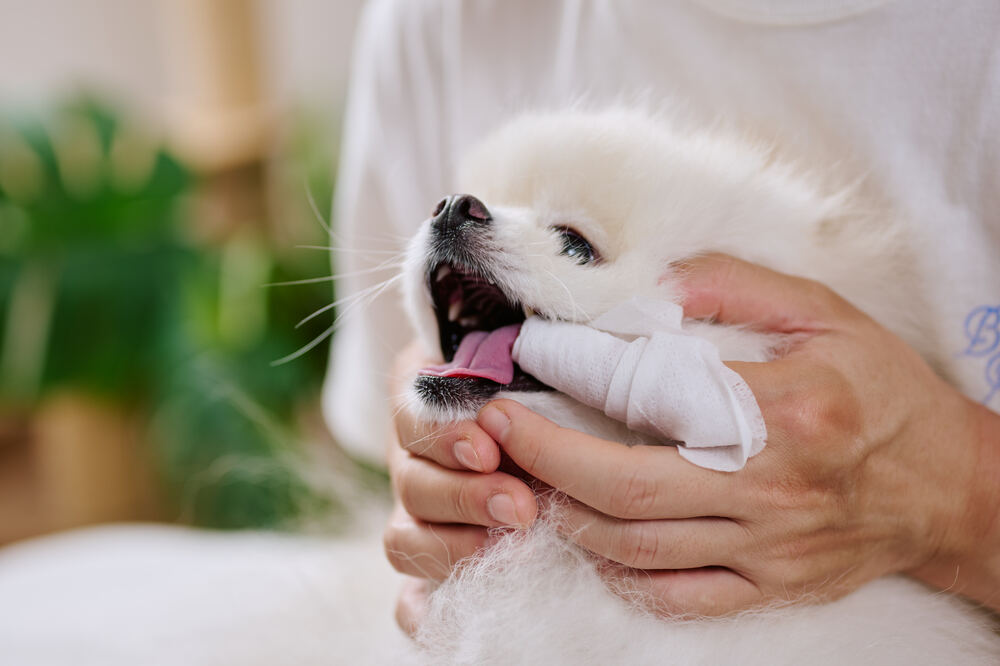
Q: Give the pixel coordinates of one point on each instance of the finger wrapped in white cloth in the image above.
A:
(638, 365)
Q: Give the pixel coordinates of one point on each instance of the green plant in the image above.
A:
(103, 290)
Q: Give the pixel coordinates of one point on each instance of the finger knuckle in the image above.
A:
(829, 301)
(784, 493)
(780, 577)
(406, 427)
(462, 498)
(833, 303)
(797, 575)
(534, 461)
(393, 543)
(404, 487)
(725, 269)
(404, 616)
(643, 548)
(752, 551)
(807, 420)
(826, 410)
(410, 442)
(633, 496)
(417, 439)
(801, 509)
(819, 292)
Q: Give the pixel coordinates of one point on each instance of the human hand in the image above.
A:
(447, 492)
(873, 465)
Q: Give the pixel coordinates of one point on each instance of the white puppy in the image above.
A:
(573, 214)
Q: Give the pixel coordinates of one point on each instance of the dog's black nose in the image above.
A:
(460, 210)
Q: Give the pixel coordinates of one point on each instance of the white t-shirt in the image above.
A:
(909, 90)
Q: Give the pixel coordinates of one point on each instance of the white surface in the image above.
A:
(148, 594)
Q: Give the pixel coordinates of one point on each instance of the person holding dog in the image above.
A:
(874, 463)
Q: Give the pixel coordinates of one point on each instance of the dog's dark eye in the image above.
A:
(576, 247)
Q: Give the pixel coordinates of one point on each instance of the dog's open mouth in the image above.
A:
(478, 324)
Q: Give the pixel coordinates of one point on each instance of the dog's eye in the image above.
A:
(576, 247)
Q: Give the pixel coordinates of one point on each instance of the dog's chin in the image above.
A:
(446, 399)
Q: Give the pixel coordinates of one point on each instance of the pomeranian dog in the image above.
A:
(566, 216)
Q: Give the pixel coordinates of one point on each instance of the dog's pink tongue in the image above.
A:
(482, 354)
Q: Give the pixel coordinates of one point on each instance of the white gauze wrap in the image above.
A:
(637, 365)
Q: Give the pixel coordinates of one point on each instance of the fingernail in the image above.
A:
(466, 454)
(501, 509)
(493, 421)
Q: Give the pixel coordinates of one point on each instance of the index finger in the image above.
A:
(729, 290)
(456, 445)
(641, 482)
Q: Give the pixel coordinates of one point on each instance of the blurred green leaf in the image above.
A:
(120, 302)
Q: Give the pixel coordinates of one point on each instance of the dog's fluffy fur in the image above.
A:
(646, 197)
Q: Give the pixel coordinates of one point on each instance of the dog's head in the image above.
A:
(566, 216)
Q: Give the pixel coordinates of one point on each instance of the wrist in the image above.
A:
(968, 563)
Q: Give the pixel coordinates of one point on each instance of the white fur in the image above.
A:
(535, 599)
(646, 197)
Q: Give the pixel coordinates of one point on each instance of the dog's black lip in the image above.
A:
(472, 391)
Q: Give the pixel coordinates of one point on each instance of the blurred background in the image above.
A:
(161, 161)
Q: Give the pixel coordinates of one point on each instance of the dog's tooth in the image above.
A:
(442, 273)
(454, 310)
(528, 312)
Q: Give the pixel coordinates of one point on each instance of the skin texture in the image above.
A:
(874, 465)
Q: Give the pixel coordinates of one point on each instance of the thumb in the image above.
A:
(732, 291)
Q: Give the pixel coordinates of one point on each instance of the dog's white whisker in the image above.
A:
(291, 283)
(396, 260)
(307, 347)
(315, 209)
(358, 296)
(578, 313)
(367, 294)
(385, 266)
(328, 228)
(442, 568)
(315, 314)
(331, 248)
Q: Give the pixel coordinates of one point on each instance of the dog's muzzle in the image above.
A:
(477, 321)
